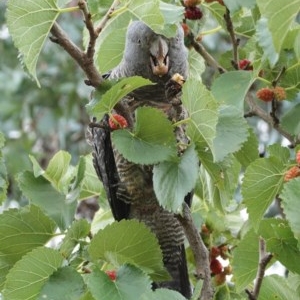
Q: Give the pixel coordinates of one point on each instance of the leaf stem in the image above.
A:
(118, 11)
(211, 31)
(184, 121)
(69, 9)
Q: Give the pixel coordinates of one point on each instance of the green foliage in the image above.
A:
(174, 179)
(276, 287)
(65, 283)
(151, 141)
(290, 203)
(129, 241)
(107, 99)
(30, 273)
(20, 232)
(130, 283)
(28, 35)
(231, 178)
(3, 171)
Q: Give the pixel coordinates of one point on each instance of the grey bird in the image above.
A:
(129, 186)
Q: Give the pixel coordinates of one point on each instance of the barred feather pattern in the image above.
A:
(129, 186)
(137, 181)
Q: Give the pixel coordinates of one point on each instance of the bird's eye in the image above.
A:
(139, 41)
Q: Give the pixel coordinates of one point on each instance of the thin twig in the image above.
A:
(274, 106)
(105, 19)
(278, 77)
(90, 27)
(86, 63)
(255, 110)
(202, 51)
(199, 250)
(264, 259)
(235, 42)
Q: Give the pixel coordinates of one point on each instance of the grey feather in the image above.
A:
(157, 58)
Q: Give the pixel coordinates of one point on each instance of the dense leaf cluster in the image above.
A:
(45, 252)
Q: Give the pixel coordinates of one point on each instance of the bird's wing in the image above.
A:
(105, 166)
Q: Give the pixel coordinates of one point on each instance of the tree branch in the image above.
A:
(90, 27)
(200, 252)
(264, 259)
(202, 51)
(86, 63)
(255, 110)
(234, 40)
(104, 20)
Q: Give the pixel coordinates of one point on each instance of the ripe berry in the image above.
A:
(298, 157)
(265, 94)
(111, 274)
(191, 3)
(216, 266)
(293, 172)
(214, 252)
(279, 93)
(117, 121)
(245, 64)
(193, 13)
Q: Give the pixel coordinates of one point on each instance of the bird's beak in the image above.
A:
(159, 58)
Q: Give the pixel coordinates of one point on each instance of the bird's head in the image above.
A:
(154, 56)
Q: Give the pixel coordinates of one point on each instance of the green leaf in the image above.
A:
(172, 13)
(262, 182)
(234, 5)
(3, 171)
(148, 12)
(290, 196)
(162, 294)
(57, 169)
(57, 172)
(196, 65)
(151, 141)
(75, 188)
(173, 180)
(41, 193)
(231, 88)
(276, 287)
(249, 150)
(129, 241)
(232, 132)
(64, 284)
(245, 260)
(2, 140)
(279, 23)
(29, 23)
(294, 281)
(264, 37)
(203, 111)
(26, 279)
(282, 153)
(290, 120)
(78, 230)
(91, 186)
(110, 45)
(130, 284)
(281, 242)
(21, 231)
(115, 94)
